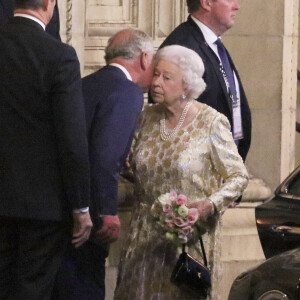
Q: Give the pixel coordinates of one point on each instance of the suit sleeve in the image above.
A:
(110, 140)
(70, 129)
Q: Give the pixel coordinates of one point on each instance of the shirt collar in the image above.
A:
(32, 18)
(122, 69)
(209, 36)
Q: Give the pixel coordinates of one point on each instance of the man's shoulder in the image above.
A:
(110, 81)
(107, 76)
(56, 45)
(187, 34)
(22, 33)
(56, 52)
(181, 30)
(185, 26)
(28, 31)
(104, 72)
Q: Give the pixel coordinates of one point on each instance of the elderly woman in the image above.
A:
(186, 146)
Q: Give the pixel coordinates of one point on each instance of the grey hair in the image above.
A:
(132, 44)
(29, 4)
(191, 65)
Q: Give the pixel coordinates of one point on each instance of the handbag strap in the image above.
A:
(202, 249)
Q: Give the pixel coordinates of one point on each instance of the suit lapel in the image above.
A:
(216, 65)
(209, 53)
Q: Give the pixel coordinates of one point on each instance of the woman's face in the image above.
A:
(167, 83)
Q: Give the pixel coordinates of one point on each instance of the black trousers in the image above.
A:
(30, 255)
(82, 274)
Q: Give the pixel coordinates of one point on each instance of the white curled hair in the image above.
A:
(191, 65)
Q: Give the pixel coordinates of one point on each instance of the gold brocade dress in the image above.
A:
(201, 162)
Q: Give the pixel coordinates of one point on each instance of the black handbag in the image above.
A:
(189, 273)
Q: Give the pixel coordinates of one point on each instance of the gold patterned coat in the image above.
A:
(201, 162)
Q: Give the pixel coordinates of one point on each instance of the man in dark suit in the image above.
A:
(113, 100)
(7, 12)
(44, 165)
(208, 20)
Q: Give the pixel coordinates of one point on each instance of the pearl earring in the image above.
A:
(183, 96)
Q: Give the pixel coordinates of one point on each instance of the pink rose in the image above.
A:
(169, 218)
(169, 224)
(186, 230)
(173, 197)
(173, 194)
(180, 222)
(193, 215)
(181, 200)
(167, 208)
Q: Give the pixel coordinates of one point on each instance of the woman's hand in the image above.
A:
(205, 208)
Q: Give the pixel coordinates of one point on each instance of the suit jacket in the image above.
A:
(44, 167)
(188, 34)
(112, 104)
(7, 12)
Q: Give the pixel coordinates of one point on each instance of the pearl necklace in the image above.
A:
(167, 134)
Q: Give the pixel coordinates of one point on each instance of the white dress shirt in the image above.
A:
(123, 69)
(32, 18)
(210, 38)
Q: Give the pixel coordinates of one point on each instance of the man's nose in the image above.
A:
(237, 5)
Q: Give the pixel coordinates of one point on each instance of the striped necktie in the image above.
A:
(227, 68)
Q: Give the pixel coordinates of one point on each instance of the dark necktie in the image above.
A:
(227, 68)
(228, 75)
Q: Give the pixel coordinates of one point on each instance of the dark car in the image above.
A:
(278, 224)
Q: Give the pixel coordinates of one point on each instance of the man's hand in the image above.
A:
(82, 226)
(110, 230)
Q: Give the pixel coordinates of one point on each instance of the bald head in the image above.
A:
(128, 44)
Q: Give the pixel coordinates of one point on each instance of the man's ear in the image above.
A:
(206, 4)
(144, 60)
(46, 3)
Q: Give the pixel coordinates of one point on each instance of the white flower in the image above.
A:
(165, 199)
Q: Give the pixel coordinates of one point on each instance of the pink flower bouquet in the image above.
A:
(174, 217)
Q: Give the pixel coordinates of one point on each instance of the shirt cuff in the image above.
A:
(81, 210)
